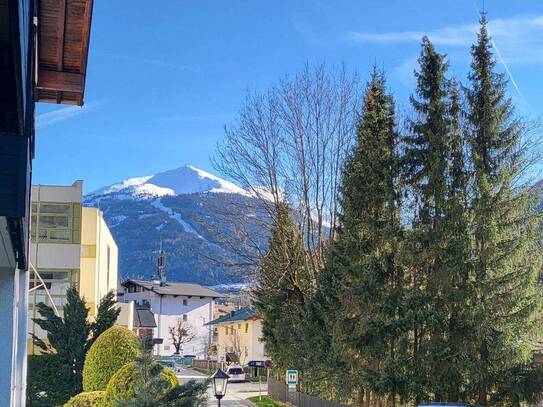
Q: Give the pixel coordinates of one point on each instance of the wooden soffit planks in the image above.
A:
(63, 46)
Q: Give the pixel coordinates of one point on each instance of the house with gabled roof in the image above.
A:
(172, 302)
(239, 336)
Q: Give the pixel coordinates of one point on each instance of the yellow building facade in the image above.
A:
(98, 262)
(239, 333)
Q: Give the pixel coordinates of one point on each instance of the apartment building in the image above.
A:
(69, 245)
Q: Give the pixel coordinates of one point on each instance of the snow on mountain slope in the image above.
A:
(196, 215)
(157, 203)
(180, 181)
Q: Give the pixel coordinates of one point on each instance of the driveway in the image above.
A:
(236, 393)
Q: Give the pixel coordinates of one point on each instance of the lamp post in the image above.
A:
(220, 381)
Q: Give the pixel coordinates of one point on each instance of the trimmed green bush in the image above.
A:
(122, 385)
(113, 349)
(87, 399)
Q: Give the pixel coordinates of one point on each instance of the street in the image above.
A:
(236, 393)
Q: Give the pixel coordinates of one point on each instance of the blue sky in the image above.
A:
(164, 77)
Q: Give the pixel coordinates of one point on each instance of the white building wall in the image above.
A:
(13, 319)
(126, 316)
(55, 255)
(167, 309)
(257, 346)
(58, 193)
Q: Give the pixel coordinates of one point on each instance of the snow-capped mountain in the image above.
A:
(180, 181)
(200, 218)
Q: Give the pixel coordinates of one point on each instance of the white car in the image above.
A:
(236, 373)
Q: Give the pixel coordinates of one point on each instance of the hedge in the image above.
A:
(47, 383)
(112, 350)
(122, 385)
(87, 399)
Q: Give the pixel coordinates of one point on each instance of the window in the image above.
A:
(56, 282)
(185, 302)
(235, 370)
(246, 327)
(56, 222)
(239, 327)
(185, 318)
(226, 330)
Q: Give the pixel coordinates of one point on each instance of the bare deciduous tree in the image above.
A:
(182, 332)
(288, 145)
(237, 348)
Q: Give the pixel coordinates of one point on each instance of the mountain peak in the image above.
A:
(180, 181)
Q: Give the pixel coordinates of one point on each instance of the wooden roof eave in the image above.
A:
(63, 45)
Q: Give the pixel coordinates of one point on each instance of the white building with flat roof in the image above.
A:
(170, 302)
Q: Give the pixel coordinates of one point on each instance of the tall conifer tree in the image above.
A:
(456, 355)
(281, 292)
(426, 163)
(506, 260)
(365, 255)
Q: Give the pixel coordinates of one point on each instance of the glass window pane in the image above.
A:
(51, 221)
(59, 235)
(55, 208)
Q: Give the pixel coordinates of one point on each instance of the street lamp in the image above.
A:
(220, 381)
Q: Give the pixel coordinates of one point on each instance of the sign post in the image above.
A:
(292, 381)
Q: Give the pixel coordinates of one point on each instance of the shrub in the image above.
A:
(46, 381)
(112, 350)
(122, 385)
(87, 399)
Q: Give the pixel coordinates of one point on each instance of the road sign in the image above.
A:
(268, 364)
(292, 378)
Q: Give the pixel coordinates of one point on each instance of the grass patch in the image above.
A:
(201, 370)
(266, 402)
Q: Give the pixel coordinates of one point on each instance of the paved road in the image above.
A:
(187, 374)
(236, 392)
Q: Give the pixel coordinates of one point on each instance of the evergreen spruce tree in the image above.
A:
(506, 260)
(153, 390)
(426, 167)
(281, 293)
(69, 337)
(370, 330)
(106, 316)
(456, 357)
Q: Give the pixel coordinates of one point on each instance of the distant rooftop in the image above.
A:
(172, 288)
(243, 314)
(144, 318)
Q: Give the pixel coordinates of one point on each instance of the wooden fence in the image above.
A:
(280, 392)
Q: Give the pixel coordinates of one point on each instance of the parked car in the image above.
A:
(236, 373)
